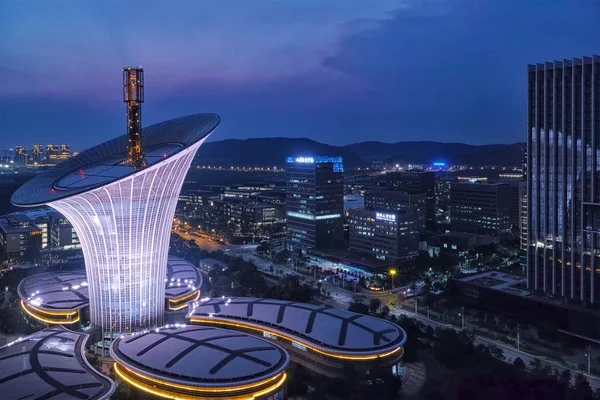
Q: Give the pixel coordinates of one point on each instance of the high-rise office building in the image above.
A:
(314, 202)
(21, 156)
(385, 235)
(52, 154)
(442, 200)
(563, 179)
(482, 208)
(398, 202)
(37, 154)
(415, 181)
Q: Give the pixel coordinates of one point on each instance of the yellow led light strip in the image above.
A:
(33, 311)
(194, 295)
(341, 356)
(281, 378)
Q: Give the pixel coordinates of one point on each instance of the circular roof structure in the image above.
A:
(106, 163)
(182, 278)
(325, 329)
(61, 292)
(51, 364)
(50, 291)
(199, 357)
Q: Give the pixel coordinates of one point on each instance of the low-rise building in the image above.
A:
(187, 362)
(63, 297)
(326, 340)
(51, 364)
(459, 243)
(20, 238)
(248, 216)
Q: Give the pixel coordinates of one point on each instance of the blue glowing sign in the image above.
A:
(338, 164)
(439, 164)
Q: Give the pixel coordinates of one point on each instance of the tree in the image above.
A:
(374, 305)
(535, 364)
(290, 288)
(297, 377)
(385, 311)
(497, 352)
(429, 331)
(519, 364)
(582, 387)
(358, 305)
(565, 377)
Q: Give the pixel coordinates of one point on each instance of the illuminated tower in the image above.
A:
(563, 179)
(133, 95)
(123, 214)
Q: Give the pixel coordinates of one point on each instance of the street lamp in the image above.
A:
(589, 360)
(462, 315)
(393, 274)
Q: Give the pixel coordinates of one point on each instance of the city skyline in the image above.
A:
(337, 72)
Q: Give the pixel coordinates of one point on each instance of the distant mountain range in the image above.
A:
(272, 151)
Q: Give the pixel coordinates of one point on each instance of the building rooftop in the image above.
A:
(18, 218)
(200, 356)
(182, 278)
(68, 291)
(353, 201)
(51, 364)
(63, 291)
(7, 227)
(106, 163)
(501, 281)
(334, 330)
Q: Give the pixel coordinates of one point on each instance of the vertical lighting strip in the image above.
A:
(124, 229)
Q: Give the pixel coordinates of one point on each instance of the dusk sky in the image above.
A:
(338, 71)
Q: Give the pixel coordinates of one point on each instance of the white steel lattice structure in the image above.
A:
(123, 216)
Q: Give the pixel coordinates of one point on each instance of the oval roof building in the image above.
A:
(189, 362)
(120, 197)
(51, 364)
(63, 297)
(55, 298)
(328, 337)
(182, 284)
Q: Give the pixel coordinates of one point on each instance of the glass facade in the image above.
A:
(314, 202)
(562, 182)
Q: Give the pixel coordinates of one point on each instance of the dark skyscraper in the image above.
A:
(415, 182)
(483, 208)
(314, 202)
(563, 178)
